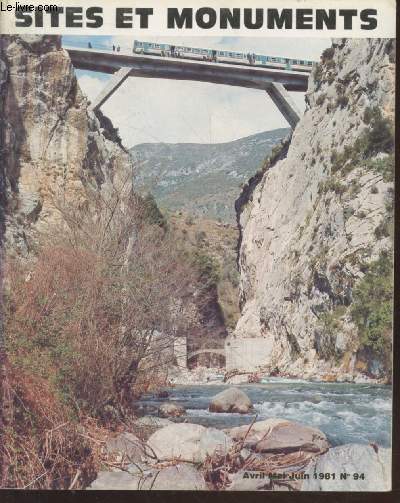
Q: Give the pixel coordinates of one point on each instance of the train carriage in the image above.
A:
(231, 57)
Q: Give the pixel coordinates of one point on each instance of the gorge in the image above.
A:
(99, 282)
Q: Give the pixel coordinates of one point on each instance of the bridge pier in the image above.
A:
(284, 102)
(113, 84)
(180, 351)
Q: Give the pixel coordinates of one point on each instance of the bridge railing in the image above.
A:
(103, 47)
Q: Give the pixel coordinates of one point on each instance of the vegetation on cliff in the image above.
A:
(372, 310)
(314, 224)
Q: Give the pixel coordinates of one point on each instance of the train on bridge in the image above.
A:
(216, 55)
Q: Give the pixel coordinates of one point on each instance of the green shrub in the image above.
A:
(342, 101)
(153, 214)
(321, 98)
(383, 229)
(379, 137)
(318, 73)
(332, 184)
(208, 268)
(368, 115)
(372, 308)
(327, 54)
(384, 167)
(355, 187)
(348, 212)
(340, 89)
(330, 324)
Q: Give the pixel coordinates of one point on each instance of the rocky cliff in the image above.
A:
(52, 146)
(317, 227)
(58, 155)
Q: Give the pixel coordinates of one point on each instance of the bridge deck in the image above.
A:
(184, 69)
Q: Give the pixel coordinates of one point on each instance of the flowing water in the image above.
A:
(346, 413)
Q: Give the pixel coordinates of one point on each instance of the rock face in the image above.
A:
(315, 217)
(369, 469)
(231, 400)
(280, 436)
(188, 442)
(52, 146)
(169, 409)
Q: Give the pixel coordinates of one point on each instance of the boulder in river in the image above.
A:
(231, 400)
(248, 480)
(140, 477)
(369, 469)
(147, 425)
(126, 445)
(181, 477)
(170, 409)
(214, 441)
(116, 480)
(276, 435)
(188, 442)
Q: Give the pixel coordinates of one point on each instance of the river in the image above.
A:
(345, 412)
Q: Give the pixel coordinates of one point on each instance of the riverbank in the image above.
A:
(211, 376)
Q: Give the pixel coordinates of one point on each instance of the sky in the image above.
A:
(159, 110)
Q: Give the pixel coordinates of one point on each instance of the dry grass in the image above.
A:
(84, 324)
(219, 468)
(42, 447)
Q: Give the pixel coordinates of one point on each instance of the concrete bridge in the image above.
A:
(121, 65)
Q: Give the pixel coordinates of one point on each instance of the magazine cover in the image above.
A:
(197, 214)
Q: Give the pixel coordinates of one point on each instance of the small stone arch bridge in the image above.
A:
(219, 351)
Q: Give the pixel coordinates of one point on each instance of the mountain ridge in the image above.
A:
(192, 176)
